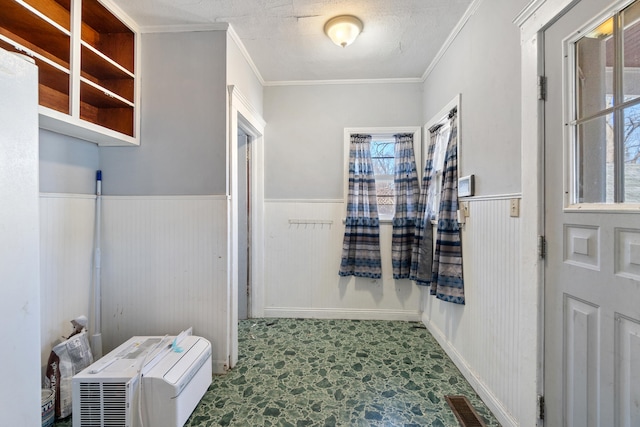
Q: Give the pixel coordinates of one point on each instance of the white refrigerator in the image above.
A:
(20, 394)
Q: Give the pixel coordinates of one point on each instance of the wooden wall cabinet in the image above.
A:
(87, 61)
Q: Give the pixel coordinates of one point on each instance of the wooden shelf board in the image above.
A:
(101, 19)
(97, 97)
(17, 44)
(61, 123)
(100, 66)
(17, 22)
(121, 87)
(56, 10)
(119, 47)
(51, 98)
(117, 119)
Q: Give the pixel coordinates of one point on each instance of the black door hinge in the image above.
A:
(542, 88)
(542, 247)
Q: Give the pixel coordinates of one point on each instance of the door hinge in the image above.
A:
(542, 88)
(541, 407)
(542, 247)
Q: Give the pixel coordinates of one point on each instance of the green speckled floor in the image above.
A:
(335, 373)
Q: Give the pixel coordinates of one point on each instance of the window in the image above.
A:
(605, 110)
(440, 127)
(383, 157)
(442, 130)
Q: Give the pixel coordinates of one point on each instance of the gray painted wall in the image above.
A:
(483, 64)
(67, 165)
(183, 129)
(241, 75)
(304, 146)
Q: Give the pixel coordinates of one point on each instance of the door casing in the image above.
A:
(242, 115)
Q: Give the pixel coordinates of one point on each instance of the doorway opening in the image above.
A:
(244, 225)
(245, 216)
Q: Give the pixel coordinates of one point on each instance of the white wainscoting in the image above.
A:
(164, 269)
(303, 245)
(66, 255)
(482, 337)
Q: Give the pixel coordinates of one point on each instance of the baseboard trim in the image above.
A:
(350, 314)
(220, 367)
(492, 402)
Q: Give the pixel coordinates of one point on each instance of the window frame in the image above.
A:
(571, 121)
(380, 131)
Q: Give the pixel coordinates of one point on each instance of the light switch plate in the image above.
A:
(514, 208)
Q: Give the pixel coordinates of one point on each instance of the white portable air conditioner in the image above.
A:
(175, 376)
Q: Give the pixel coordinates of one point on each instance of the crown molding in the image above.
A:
(528, 11)
(343, 82)
(234, 36)
(214, 26)
(473, 7)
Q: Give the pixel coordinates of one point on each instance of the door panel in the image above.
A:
(592, 272)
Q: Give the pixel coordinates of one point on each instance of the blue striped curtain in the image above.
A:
(361, 244)
(447, 283)
(422, 251)
(407, 197)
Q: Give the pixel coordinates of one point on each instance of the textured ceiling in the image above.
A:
(286, 42)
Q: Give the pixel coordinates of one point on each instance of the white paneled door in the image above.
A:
(592, 261)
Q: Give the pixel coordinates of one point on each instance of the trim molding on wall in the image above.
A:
(487, 396)
(337, 313)
(304, 200)
(452, 36)
(66, 196)
(168, 197)
(492, 197)
(344, 82)
(217, 26)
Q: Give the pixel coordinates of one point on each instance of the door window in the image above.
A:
(605, 110)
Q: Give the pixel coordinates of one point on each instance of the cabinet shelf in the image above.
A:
(107, 34)
(35, 32)
(100, 108)
(104, 72)
(55, 10)
(53, 79)
(86, 62)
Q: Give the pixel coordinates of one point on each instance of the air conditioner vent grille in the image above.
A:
(103, 404)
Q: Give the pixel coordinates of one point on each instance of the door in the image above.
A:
(244, 260)
(592, 262)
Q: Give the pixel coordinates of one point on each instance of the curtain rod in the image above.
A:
(447, 116)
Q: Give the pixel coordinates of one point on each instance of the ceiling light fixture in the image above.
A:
(343, 30)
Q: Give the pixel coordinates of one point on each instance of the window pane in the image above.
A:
(385, 195)
(383, 166)
(382, 154)
(594, 62)
(382, 148)
(594, 161)
(631, 37)
(631, 148)
(441, 147)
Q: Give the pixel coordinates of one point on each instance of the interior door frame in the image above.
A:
(534, 19)
(242, 115)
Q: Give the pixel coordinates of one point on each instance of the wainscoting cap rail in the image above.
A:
(310, 221)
